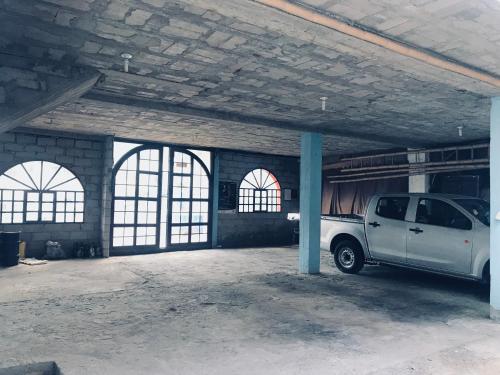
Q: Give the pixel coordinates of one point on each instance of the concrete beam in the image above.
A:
(310, 203)
(495, 208)
(22, 107)
(326, 128)
(347, 27)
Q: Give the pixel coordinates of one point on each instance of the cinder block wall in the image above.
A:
(81, 155)
(257, 229)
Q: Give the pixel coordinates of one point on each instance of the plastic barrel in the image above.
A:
(9, 249)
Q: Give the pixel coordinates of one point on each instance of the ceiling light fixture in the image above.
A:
(323, 102)
(126, 57)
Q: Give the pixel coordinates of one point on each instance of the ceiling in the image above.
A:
(264, 71)
(468, 31)
(86, 115)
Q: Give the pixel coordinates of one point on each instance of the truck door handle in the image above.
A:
(416, 230)
(374, 224)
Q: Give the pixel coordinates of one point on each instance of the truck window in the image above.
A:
(477, 207)
(436, 212)
(392, 207)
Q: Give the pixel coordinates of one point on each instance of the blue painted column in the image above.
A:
(495, 208)
(310, 202)
(215, 199)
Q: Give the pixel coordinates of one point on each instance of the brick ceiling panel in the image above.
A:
(243, 58)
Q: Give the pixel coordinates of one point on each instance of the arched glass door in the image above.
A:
(136, 200)
(161, 199)
(190, 199)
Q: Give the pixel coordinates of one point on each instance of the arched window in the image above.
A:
(260, 191)
(40, 192)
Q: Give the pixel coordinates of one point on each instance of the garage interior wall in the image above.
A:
(84, 155)
(474, 183)
(353, 197)
(237, 229)
(81, 155)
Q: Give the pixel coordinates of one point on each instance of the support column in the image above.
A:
(215, 200)
(417, 183)
(495, 208)
(310, 203)
(107, 194)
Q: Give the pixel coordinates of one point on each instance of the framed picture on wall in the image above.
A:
(227, 196)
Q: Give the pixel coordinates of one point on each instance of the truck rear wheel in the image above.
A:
(486, 280)
(348, 257)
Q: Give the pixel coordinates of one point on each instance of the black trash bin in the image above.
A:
(9, 249)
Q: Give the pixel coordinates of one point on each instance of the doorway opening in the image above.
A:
(161, 198)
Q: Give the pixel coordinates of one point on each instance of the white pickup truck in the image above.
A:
(432, 232)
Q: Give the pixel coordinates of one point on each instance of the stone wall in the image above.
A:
(81, 155)
(257, 229)
(84, 156)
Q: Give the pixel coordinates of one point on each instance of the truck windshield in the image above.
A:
(478, 208)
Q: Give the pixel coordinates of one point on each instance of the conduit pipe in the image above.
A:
(379, 40)
(345, 179)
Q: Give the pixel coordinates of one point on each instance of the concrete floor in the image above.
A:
(242, 312)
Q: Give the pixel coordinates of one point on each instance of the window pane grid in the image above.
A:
(47, 207)
(190, 200)
(123, 236)
(170, 201)
(32, 206)
(182, 163)
(145, 235)
(125, 178)
(43, 192)
(199, 233)
(199, 212)
(149, 161)
(200, 182)
(181, 187)
(179, 234)
(124, 211)
(148, 185)
(69, 207)
(146, 212)
(135, 214)
(11, 206)
(259, 192)
(180, 212)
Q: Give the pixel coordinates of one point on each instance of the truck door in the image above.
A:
(440, 238)
(386, 228)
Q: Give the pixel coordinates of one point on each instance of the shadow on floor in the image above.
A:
(400, 295)
(434, 282)
(43, 368)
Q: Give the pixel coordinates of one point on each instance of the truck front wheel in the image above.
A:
(348, 257)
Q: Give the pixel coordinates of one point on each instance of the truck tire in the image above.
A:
(348, 256)
(486, 280)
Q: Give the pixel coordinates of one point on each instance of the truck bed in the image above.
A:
(348, 218)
